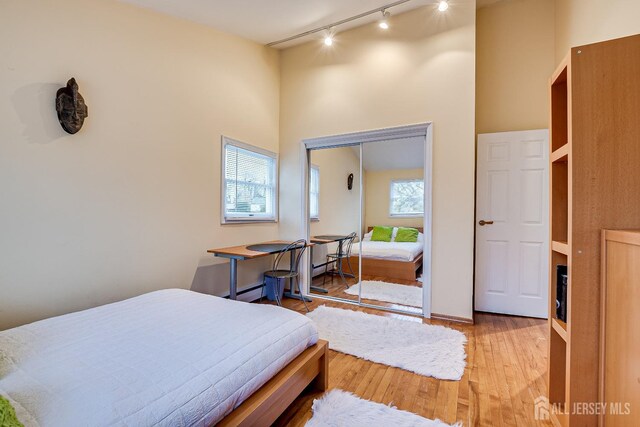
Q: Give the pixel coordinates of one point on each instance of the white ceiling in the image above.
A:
(405, 153)
(268, 21)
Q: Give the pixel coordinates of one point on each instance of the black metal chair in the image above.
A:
(292, 273)
(343, 252)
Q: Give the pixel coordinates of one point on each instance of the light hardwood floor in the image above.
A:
(505, 373)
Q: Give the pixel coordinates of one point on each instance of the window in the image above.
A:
(407, 198)
(314, 193)
(249, 187)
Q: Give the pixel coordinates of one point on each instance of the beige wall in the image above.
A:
(519, 44)
(129, 204)
(423, 69)
(581, 22)
(515, 57)
(377, 197)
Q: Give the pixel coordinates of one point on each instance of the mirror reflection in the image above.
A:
(334, 205)
(393, 240)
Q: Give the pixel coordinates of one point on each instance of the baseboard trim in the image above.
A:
(452, 318)
(249, 293)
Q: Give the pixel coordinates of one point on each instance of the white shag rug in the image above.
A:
(339, 408)
(389, 292)
(430, 350)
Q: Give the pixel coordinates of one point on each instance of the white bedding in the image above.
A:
(169, 358)
(398, 251)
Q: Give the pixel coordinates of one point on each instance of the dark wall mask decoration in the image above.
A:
(350, 181)
(71, 107)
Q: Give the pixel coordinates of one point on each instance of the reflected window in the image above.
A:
(314, 193)
(406, 198)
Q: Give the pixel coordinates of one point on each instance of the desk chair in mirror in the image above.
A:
(343, 253)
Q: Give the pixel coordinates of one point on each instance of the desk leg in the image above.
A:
(233, 278)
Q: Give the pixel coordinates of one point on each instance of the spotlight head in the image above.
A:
(328, 41)
(384, 23)
(443, 5)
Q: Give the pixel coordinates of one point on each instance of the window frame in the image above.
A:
(404, 215)
(311, 169)
(240, 219)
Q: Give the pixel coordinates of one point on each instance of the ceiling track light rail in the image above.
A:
(335, 24)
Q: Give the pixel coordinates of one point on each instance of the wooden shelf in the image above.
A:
(561, 154)
(560, 247)
(593, 186)
(560, 327)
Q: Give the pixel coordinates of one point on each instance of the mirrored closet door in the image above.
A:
(334, 221)
(393, 209)
(369, 216)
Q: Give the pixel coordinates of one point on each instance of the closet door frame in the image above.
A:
(359, 138)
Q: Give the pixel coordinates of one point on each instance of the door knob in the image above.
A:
(483, 222)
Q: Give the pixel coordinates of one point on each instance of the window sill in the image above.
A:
(407, 216)
(314, 219)
(248, 221)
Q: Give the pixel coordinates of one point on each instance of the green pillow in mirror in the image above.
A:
(381, 234)
(407, 235)
(8, 416)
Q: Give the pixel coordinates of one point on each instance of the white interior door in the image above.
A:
(512, 223)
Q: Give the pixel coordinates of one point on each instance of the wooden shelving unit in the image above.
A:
(595, 184)
(560, 247)
(560, 327)
(561, 154)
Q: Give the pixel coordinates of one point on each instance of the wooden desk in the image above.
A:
(328, 238)
(242, 252)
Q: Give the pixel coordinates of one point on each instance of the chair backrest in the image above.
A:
(298, 245)
(348, 243)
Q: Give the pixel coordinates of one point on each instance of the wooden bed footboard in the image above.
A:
(390, 269)
(271, 400)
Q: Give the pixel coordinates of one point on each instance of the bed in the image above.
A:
(391, 260)
(168, 358)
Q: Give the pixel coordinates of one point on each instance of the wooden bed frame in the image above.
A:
(390, 269)
(264, 406)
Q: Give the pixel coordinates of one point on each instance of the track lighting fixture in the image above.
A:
(384, 23)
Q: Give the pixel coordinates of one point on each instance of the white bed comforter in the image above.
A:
(169, 358)
(398, 251)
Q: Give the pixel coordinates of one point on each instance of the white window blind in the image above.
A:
(249, 182)
(314, 193)
(407, 198)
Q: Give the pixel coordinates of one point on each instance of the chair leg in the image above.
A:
(350, 269)
(339, 265)
(324, 277)
(277, 293)
(340, 270)
(264, 285)
(300, 293)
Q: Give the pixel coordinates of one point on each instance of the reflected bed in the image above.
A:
(390, 260)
